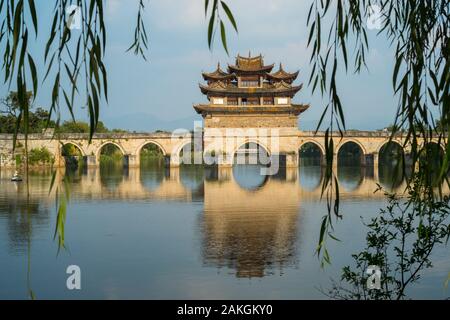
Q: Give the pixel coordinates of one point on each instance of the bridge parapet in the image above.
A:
(102, 136)
(351, 133)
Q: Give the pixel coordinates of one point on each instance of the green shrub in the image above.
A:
(40, 156)
(18, 159)
(70, 150)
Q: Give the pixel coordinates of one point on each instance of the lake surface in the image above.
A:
(188, 233)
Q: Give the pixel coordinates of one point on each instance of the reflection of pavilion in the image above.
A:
(251, 231)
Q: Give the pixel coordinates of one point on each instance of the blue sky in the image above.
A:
(159, 93)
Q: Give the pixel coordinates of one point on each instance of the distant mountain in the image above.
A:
(143, 122)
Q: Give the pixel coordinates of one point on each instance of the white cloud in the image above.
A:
(114, 6)
(177, 14)
(257, 17)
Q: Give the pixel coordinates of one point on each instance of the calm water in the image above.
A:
(188, 233)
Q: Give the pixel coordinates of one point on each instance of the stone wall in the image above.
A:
(280, 139)
(258, 121)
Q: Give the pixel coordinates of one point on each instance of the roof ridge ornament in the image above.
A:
(249, 78)
(282, 84)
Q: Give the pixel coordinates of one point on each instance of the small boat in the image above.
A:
(16, 177)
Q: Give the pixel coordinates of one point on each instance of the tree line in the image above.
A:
(39, 119)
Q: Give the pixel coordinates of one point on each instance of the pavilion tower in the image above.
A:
(248, 95)
(248, 89)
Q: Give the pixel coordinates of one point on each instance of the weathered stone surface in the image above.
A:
(258, 121)
(286, 140)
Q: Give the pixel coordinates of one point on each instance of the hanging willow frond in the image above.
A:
(419, 32)
(216, 20)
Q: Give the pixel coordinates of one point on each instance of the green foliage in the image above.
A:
(110, 150)
(399, 241)
(118, 130)
(37, 120)
(215, 20)
(18, 159)
(41, 156)
(70, 150)
(418, 33)
(81, 127)
(12, 103)
(111, 155)
(74, 127)
(151, 150)
(74, 60)
(140, 42)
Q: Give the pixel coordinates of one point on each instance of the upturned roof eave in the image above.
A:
(212, 76)
(236, 90)
(234, 68)
(284, 76)
(291, 109)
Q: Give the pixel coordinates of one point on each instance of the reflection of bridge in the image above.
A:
(225, 147)
(291, 186)
(250, 229)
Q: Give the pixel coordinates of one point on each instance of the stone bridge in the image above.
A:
(286, 144)
(130, 144)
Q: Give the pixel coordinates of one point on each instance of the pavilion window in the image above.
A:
(282, 100)
(268, 101)
(250, 82)
(250, 101)
(217, 100)
(232, 101)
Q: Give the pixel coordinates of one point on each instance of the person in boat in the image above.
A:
(16, 176)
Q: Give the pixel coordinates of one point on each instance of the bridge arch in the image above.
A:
(391, 164)
(76, 145)
(255, 141)
(149, 142)
(341, 160)
(247, 143)
(178, 156)
(315, 143)
(311, 153)
(426, 149)
(432, 143)
(385, 143)
(355, 141)
(99, 149)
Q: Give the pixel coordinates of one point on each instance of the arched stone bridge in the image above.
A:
(130, 144)
(171, 144)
